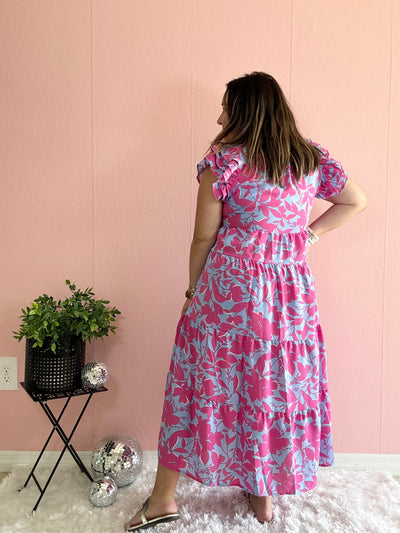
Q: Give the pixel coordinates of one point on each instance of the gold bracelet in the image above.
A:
(189, 293)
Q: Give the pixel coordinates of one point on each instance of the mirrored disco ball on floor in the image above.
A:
(118, 456)
(103, 492)
(94, 375)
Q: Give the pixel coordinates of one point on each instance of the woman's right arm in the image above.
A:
(347, 204)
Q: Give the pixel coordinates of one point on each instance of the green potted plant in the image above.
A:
(56, 333)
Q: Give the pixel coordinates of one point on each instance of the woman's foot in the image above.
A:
(153, 508)
(262, 507)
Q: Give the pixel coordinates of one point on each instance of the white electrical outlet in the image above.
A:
(8, 373)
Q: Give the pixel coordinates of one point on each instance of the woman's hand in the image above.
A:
(185, 306)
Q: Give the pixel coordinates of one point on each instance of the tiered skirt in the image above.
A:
(247, 402)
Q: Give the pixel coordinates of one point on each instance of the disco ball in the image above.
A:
(103, 492)
(118, 456)
(94, 375)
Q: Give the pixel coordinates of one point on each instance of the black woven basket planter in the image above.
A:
(49, 372)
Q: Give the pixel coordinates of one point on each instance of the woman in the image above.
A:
(246, 401)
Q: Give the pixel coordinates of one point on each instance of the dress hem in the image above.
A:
(239, 485)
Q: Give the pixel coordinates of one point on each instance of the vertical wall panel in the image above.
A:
(341, 89)
(46, 181)
(142, 150)
(391, 338)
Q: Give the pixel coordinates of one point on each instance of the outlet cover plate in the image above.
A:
(8, 373)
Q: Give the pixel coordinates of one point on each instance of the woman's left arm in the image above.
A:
(207, 223)
(346, 205)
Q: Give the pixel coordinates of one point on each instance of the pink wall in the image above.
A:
(107, 106)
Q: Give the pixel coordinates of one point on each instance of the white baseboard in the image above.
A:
(11, 458)
(388, 462)
(349, 461)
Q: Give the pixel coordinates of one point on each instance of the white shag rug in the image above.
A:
(343, 502)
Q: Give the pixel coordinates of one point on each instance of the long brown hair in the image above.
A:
(260, 118)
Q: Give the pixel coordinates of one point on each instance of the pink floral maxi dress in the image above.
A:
(246, 400)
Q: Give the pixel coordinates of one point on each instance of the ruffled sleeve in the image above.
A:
(331, 175)
(224, 165)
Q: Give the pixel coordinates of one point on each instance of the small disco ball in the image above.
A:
(94, 375)
(118, 456)
(103, 492)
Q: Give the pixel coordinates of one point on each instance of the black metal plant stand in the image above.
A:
(42, 398)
